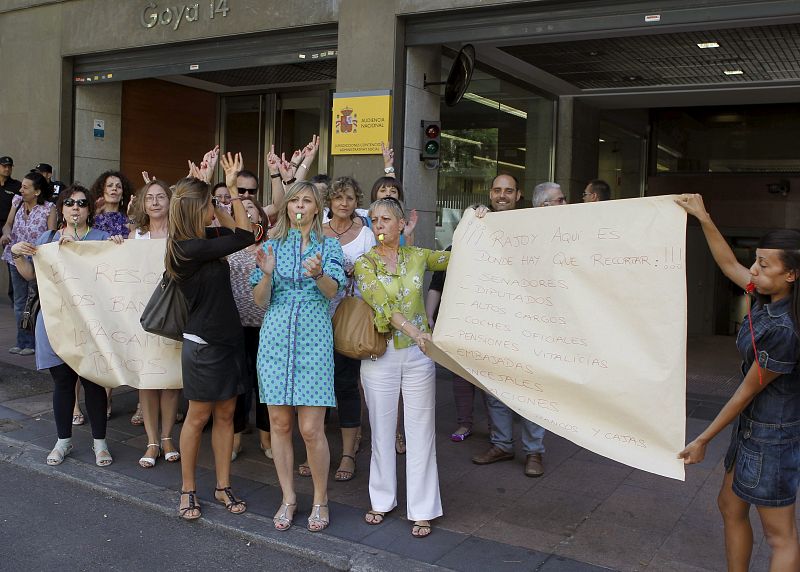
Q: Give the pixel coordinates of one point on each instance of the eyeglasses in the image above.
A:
(82, 203)
(558, 201)
(243, 191)
(155, 198)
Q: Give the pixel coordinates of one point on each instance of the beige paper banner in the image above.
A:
(92, 295)
(575, 317)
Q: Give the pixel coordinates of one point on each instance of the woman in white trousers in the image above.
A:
(390, 278)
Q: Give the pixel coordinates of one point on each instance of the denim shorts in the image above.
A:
(765, 459)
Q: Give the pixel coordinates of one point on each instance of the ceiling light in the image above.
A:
(462, 139)
(505, 164)
(495, 105)
(602, 140)
(706, 45)
(733, 72)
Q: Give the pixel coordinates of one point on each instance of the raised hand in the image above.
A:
(388, 155)
(210, 159)
(266, 260)
(285, 168)
(313, 265)
(411, 223)
(311, 148)
(273, 161)
(147, 178)
(231, 164)
(297, 158)
(693, 204)
(194, 171)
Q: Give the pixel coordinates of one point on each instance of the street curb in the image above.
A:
(331, 551)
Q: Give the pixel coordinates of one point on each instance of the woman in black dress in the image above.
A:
(212, 358)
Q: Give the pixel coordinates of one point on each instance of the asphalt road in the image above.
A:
(51, 524)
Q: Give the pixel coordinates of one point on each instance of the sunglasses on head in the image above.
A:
(83, 203)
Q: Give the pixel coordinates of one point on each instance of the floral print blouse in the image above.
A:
(27, 228)
(113, 223)
(398, 291)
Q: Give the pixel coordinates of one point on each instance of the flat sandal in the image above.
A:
(231, 502)
(183, 512)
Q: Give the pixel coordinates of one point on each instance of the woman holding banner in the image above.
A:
(75, 208)
(212, 357)
(390, 278)
(151, 205)
(763, 460)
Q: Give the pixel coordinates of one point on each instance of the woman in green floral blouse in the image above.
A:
(390, 278)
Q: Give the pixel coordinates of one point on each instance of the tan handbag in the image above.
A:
(354, 332)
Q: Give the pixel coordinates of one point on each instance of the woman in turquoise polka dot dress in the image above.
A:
(299, 271)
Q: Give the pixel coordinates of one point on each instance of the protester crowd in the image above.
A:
(263, 283)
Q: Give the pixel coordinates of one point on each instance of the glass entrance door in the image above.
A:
(252, 123)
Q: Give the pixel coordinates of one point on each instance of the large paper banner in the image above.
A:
(575, 317)
(92, 295)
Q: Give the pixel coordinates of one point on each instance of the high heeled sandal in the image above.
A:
(170, 456)
(231, 502)
(137, 418)
(57, 455)
(399, 443)
(148, 462)
(316, 523)
(421, 530)
(184, 511)
(282, 521)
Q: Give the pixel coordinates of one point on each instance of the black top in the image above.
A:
(205, 280)
(7, 192)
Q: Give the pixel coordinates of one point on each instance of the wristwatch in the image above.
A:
(388, 170)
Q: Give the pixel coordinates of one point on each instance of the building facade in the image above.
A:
(654, 97)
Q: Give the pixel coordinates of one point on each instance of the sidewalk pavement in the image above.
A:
(586, 513)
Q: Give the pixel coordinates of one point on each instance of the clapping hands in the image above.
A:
(266, 260)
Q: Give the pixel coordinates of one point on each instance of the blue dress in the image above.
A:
(764, 452)
(295, 352)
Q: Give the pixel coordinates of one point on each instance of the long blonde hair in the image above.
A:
(284, 224)
(138, 214)
(187, 220)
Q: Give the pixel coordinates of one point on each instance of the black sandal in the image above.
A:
(232, 501)
(183, 511)
(348, 475)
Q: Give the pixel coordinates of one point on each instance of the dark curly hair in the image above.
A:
(98, 188)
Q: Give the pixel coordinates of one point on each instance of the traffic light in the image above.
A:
(431, 140)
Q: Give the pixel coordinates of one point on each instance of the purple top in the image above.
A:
(27, 228)
(112, 223)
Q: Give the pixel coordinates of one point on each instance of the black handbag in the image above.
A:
(28, 320)
(166, 312)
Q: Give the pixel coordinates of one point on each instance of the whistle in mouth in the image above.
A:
(298, 216)
(750, 288)
(381, 237)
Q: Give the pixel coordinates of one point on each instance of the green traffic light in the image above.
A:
(431, 148)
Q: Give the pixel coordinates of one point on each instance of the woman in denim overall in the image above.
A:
(763, 461)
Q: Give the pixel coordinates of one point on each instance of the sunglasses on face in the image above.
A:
(82, 203)
(246, 191)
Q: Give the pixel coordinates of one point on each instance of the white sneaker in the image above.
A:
(15, 350)
(27, 352)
